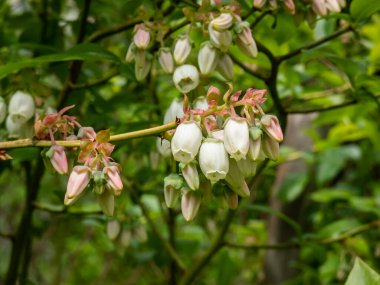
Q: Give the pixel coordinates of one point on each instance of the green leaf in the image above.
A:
(336, 228)
(85, 52)
(361, 273)
(292, 187)
(363, 9)
(329, 195)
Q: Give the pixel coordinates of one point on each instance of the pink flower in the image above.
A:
(272, 127)
(141, 38)
(112, 175)
(78, 180)
(58, 158)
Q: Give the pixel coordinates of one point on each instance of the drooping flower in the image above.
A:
(235, 180)
(200, 103)
(207, 58)
(142, 65)
(226, 66)
(174, 111)
(320, 7)
(163, 147)
(259, 3)
(78, 180)
(190, 173)
(165, 59)
(21, 107)
(236, 137)
(182, 49)
(245, 40)
(112, 176)
(221, 40)
(15, 129)
(107, 203)
(58, 158)
(222, 22)
(130, 55)
(270, 147)
(186, 141)
(141, 38)
(247, 167)
(272, 127)
(173, 184)
(213, 160)
(186, 78)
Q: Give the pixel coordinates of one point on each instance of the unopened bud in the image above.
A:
(259, 3)
(186, 78)
(107, 203)
(213, 160)
(289, 4)
(235, 180)
(254, 149)
(172, 187)
(174, 111)
(165, 59)
(130, 55)
(236, 137)
(190, 203)
(200, 103)
(58, 158)
(78, 180)
(190, 173)
(226, 67)
(221, 40)
(112, 176)
(319, 7)
(141, 38)
(3, 110)
(223, 22)
(271, 148)
(182, 49)
(21, 107)
(247, 167)
(207, 58)
(333, 6)
(272, 127)
(142, 65)
(186, 141)
(245, 40)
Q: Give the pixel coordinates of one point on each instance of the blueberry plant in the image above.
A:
(189, 142)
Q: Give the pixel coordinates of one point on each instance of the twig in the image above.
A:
(323, 109)
(100, 81)
(260, 18)
(314, 44)
(101, 34)
(60, 209)
(247, 69)
(218, 243)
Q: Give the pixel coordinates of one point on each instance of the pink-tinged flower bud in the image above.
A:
(112, 176)
(163, 147)
(58, 158)
(271, 148)
(186, 78)
(113, 229)
(78, 180)
(333, 6)
(232, 199)
(142, 65)
(289, 4)
(173, 184)
(223, 22)
(186, 141)
(221, 40)
(107, 203)
(235, 180)
(21, 107)
(3, 110)
(190, 203)
(182, 49)
(259, 3)
(319, 7)
(272, 127)
(190, 173)
(207, 58)
(236, 137)
(165, 59)
(174, 111)
(213, 160)
(141, 37)
(226, 67)
(245, 40)
(86, 133)
(200, 103)
(247, 167)
(130, 55)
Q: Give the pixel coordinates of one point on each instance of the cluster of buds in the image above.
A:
(223, 144)
(21, 109)
(98, 171)
(273, 4)
(323, 7)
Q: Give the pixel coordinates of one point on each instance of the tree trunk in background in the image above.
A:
(278, 265)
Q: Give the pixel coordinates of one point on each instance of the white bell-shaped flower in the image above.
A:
(165, 59)
(190, 173)
(207, 58)
(235, 180)
(174, 111)
(200, 103)
(213, 160)
(3, 109)
(236, 137)
(186, 141)
(221, 40)
(18, 130)
(182, 49)
(163, 147)
(190, 203)
(21, 107)
(186, 78)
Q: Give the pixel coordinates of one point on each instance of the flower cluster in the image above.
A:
(323, 7)
(212, 54)
(220, 142)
